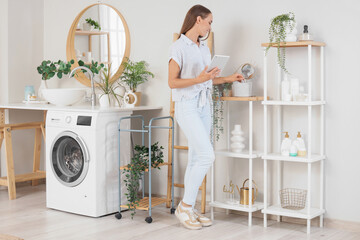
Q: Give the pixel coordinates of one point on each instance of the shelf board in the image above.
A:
(238, 207)
(278, 210)
(243, 154)
(244, 99)
(144, 203)
(86, 33)
(24, 177)
(279, 157)
(295, 44)
(293, 103)
(146, 170)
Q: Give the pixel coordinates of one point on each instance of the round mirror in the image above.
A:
(99, 33)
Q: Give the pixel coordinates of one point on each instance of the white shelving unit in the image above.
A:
(249, 154)
(308, 212)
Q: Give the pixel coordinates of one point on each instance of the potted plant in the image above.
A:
(48, 69)
(227, 89)
(107, 88)
(135, 73)
(134, 170)
(279, 28)
(91, 23)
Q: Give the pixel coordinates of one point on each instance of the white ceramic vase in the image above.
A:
(104, 100)
(86, 26)
(237, 139)
(43, 85)
(291, 35)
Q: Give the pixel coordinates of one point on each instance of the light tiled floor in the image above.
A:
(28, 217)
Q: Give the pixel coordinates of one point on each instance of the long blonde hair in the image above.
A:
(191, 16)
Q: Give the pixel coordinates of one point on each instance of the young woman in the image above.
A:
(191, 86)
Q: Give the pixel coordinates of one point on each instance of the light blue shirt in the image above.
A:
(192, 60)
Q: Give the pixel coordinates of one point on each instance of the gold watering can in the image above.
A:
(244, 193)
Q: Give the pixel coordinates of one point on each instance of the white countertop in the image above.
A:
(77, 108)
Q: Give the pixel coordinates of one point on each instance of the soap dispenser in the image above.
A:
(293, 149)
(285, 145)
(300, 144)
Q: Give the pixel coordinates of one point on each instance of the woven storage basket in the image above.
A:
(293, 198)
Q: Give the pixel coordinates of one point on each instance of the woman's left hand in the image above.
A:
(235, 77)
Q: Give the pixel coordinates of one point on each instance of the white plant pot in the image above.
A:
(291, 35)
(43, 85)
(104, 100)
(86, 26)
(242, 89)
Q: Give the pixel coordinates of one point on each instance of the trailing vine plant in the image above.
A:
(277, 34)
(217, 113)
(134, 170)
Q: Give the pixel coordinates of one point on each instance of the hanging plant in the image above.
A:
(138, 164)
(218, 110)
(227, 89)
(280, 26)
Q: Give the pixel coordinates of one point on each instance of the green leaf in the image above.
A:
(59, 75)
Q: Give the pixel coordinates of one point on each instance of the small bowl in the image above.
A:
(63, 96)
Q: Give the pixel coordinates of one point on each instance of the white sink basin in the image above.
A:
(63, 96)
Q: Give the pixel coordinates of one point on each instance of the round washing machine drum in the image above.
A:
(69, 159)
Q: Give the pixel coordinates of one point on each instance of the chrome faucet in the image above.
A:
(93, 95)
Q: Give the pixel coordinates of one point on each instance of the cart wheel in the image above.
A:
(172, 210)
(118, 215)
(148, 219)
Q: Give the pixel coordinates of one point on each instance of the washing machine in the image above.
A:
(82, 160)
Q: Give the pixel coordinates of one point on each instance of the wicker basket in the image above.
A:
(292, 198)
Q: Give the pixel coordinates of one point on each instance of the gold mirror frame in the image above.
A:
(70, 48)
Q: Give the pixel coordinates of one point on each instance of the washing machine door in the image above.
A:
(69, 158)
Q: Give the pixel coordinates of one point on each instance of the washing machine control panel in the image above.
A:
(70, 119)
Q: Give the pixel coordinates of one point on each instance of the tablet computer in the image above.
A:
(218, 61)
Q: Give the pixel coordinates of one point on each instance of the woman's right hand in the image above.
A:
(206, 76)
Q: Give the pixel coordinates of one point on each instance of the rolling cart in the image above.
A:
(146, 203)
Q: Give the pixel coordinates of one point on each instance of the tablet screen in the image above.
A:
(218, 61)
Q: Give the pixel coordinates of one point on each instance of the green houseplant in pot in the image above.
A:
(48, 69)
(139, 163)
(279, 28)
(89, 23)
(135, 73)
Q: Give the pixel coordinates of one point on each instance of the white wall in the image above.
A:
(239, 28)
(3, 50)
(21, 47)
